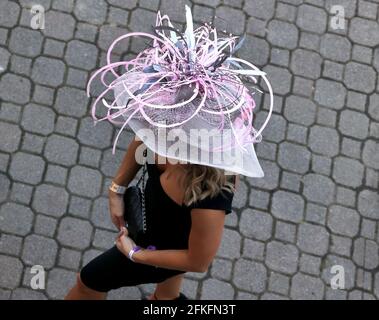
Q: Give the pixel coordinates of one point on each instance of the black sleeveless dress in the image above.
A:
(168, 227)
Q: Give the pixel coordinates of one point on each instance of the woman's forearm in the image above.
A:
(169, 259)
(129, 166)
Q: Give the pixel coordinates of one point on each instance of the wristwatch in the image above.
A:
(117, 188)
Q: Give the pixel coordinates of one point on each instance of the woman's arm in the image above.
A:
(125, 174)
(204, 241)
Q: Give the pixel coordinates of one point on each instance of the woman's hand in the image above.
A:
(123, 242)
(116, 209)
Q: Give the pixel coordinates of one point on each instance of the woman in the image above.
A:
(186, 206)
(181, 83)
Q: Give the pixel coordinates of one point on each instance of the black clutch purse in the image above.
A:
(134, 214)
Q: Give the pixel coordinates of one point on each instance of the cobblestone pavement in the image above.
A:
(316, 207)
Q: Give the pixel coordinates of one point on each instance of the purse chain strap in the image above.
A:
(143, 191)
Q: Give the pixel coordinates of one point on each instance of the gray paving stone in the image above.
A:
(280, 57)
(256, 224)
(300, 110)
(221, 269)
(86, 10)
(260, 54)
(305, 287)
(256, 26)
(63, 5)
(54, 48)
(271, 178)
(9, 13)
(253, 249)
(10, 244)
(364, 279)
(279, 283)
(335, 294)
(66, 125)
(225, 14)
(287, 206)
(313, 239)
(81, 54)
(309, 41)
(321, 164)
(267, 150)
(250, 276)
(303, 87)
(10, 112)
(282, 34)
(45, 226)
(118, 16)
(50, 200)
(368, 204)
(90, 157)
(367, 9)
(80, 207)
(43, 95)
(348, 172)
(285, 231)
(56, 174)
(14, 88)
(27, 168)
(293, 157)
(11, 272)
(230, 244)
(126, 293)
(74, 233)
(341, 245)
(362, 54)
(213, 289)
(366, 253)
(372, 178)
(61, 150)
(26, 42)
(263, 9)
(77, 78)
(370, 155)
(306, 63)
(27, 294)
(335, 47)
(69, 258)
(109, 33)
(377, 284)
(330, 94)
(280, 79)
(242, 295)
(312, 19)
(290, 181)
(356, 100)
(354, 124)
(127, 4)
(343, 221)
(100, 214)
(39, 250)
(98, 136)
(21, 193)
(4, 160)
(28, 3)
(10, 137)
(324, 140)
(286, 12)
(59, 282)
(373, 108)
(38, 119)
(84, 181)
(351, 148)
(364, 32)
(240, 198)
(315, 213)
(104, 239)
(326, 117)
(333, 70)
(346, 196)
(48, 71)
(272, 296)
(368, 229)
(259, 199)
(33, 143)
(111, 162)
(282, 257)
(310, 264)
(85, 31)
(359, 77)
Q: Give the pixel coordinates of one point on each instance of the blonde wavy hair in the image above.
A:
(202, 181)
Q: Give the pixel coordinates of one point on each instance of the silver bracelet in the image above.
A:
(131, 252)
(117, 188)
